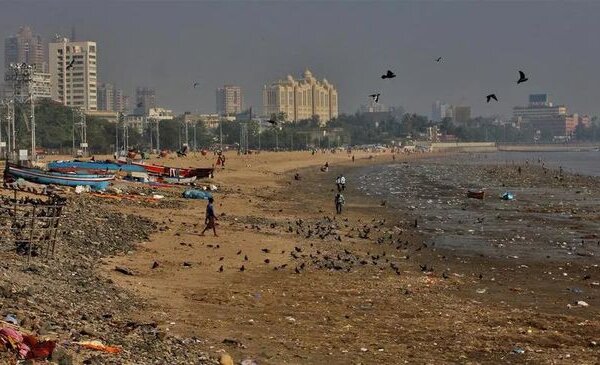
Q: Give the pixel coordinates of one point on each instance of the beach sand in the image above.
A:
(357, 291)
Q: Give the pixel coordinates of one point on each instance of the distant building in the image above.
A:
(25, 47)
(160, 114)
(440, 111)
(229, 100)
(301, 99)
(541, 114)
(145, 99)
(73, 70)
(373, 107)
(112, 99)
(461, 114)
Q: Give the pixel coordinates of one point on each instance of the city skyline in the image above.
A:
(374, 37)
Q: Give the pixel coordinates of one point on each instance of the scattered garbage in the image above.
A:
(518, 351)
(99, 346)
(476, 194)
(249, 362)
(25, 346)
(79, 189)
(481, 291)
(124, 270)
(508, 196)
(10, 318)
(197, 194)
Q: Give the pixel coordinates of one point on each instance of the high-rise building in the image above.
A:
(440, 111)
(229, 100)
(25, 47)
(121, 102)
(462, 114)
(106, 97)
(73, 66)
(145, 99)
(301, 99)
(550, 119)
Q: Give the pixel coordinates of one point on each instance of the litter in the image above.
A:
(10, 318)
(99, 346)
(508, 196)
(197, 194)
(518, 351)
(26, 346)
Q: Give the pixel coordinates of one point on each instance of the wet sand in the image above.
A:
(363, 287)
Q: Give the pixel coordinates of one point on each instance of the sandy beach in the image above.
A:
(364, 287)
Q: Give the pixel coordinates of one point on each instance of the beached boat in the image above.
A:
(91, 167)
(476, 194)
(96, 182)
(179, 180)
(198, 172)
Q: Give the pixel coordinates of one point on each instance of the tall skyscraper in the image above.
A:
(301, 99)
(106, 97)
(25, 47)
(73, 66)
(229, 100)
(145, 99)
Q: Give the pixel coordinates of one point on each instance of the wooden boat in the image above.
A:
(171, 171)
(96, 182)
(476, 194)
(178, 180)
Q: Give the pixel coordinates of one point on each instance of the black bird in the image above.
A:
(239, 252)
(298, 249)
(522, 77)
(242, 268)
(445, 275)
(438, 59)
(375, 97)
(388, 75)
(587, 277)
(274, 122)
(267, 261)
(265, 250)
(297, 271)
(70, 65)
(302, 266)
(221, 268)
(221, 258)
(480, 276)
(490, 97)
(245, 257)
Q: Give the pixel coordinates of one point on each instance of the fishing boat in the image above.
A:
(476, 194)
(91, 167)
(178, 180)
(198, 172)
(96, 182)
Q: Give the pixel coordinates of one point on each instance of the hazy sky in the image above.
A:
(170, 45)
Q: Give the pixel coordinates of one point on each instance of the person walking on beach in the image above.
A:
(343, 182)
(339, 203)
(338, 183)
(210, 218)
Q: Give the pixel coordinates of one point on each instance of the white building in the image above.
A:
(73, 66)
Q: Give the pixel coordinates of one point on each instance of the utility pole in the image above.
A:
(21, 76)
(157, 136)
(117, 133)
(221, 134)
(195, 140)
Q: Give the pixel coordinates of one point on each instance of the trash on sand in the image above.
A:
(475, 194)
(290, 319)
(10, 318)
(157, 196)
(26, 346)
(82, 189)
(518, 351)
(99, 346)
(581, 303)
(508, 196)
(249, 362)
(124, 270)
(481, 291)
(197, 194)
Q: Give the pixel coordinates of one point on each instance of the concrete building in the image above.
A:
(121, 102)
(373, 107)
(229, 100)
(301, 99)
(73, 70)
(145, 99)
(106, 97)
(25, 47)
(543, 115)
(440, 111)
(461, 114)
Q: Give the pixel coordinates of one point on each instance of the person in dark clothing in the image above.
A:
(210, 219)
(339, 203)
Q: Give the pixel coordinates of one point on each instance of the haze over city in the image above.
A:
(170, 45)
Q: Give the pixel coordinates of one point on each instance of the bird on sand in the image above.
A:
(267, 261)
(221, 268)
(522, 77)
(388, 75)
(265, 250)
(242, 268)
(438, 59)
(239, 252)
(490, 97)
(375, 97)
(245, 257)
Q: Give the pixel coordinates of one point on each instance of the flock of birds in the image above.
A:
(390, 75)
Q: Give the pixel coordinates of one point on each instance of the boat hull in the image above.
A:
(95, 182)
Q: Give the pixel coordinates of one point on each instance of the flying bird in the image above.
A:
(274, 122)
(70, 65)
(196, 84)
(522, 77)
(438, 59)
(375, 97)
(490, 97)
(388, 75)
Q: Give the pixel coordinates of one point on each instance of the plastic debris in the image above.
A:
(99, 346)
(10, 318)
(518, 351)
(197, 194)
(508, 196)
